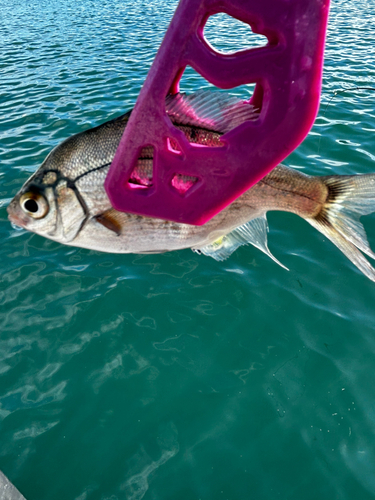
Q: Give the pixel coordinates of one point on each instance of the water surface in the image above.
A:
(175, 376)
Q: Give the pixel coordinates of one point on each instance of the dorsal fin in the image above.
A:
(253, 232)
(217, 111)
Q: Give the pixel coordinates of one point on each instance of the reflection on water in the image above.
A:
(141, 466)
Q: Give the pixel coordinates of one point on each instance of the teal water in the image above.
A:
(174, 376)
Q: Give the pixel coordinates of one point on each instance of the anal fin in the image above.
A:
(253, 232)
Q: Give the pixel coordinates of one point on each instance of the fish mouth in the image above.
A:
(15, 218)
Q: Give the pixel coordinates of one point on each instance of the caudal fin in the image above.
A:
(349, 197)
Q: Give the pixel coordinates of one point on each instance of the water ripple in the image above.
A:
(218, 375)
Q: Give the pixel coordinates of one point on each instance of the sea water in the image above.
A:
(174, 376)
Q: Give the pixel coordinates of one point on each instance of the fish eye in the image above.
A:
(34, 205)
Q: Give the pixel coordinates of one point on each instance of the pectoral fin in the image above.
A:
(109, 220)
(253, 232)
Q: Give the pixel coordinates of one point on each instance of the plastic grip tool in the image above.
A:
(287, 73)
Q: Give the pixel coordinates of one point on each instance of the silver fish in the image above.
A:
(65, 199)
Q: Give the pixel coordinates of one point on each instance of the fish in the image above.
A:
(65, 199)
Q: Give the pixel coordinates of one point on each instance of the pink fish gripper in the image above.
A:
(287, 74)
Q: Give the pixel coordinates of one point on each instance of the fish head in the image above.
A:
(50, 205)
(68, 188)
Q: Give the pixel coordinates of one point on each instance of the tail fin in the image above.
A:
(348, 198)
